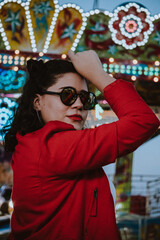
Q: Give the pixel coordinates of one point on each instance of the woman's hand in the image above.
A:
(88, 64)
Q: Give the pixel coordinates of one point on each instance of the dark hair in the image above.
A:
(41, 76)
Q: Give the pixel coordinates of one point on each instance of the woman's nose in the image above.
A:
(78, 104)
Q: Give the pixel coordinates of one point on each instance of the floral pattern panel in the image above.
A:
(131, 26)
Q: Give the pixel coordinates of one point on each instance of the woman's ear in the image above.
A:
(36, 102)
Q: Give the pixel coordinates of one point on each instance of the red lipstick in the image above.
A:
(75, 117)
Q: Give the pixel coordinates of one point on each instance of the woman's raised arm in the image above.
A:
(87, 63)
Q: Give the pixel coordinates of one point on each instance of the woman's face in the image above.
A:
(52, 108)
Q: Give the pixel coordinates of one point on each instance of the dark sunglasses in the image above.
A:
(69, 95)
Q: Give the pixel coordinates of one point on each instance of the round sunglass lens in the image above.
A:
(68, 96)
(88, 99)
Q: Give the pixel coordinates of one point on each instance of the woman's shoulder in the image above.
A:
(50, 127)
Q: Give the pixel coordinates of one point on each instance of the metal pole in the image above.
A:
(95, 4)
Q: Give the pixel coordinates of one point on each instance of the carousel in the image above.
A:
(127, 41)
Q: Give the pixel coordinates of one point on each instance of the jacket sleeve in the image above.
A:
(75, 151)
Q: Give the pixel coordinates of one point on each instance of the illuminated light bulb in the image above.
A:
(91, 12)
(111, 75)
(28, 58)
(15, 69)
(73, 5)
(16, 62)
(78, 36)
(155, 79)
(5, 57)
(63, 56)
(108, 13)
(135, 61)
(80, 31)
(73, 49)
(74, 44)
(111, 60)
(83, 27)
(17, 51)
(133, 78)
(6, 43)
(157, 63)
(16, 58)
(41, 54)
(5, 39)
(5, 61)
(97, 11)
(84, 19)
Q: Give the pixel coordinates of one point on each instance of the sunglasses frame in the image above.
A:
(76, 96)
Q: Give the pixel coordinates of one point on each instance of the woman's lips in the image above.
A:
(75, 117)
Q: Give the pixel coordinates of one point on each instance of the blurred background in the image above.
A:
(126, 37)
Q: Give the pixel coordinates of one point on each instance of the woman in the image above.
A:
(60, 191)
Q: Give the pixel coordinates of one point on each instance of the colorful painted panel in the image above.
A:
(41, 14)
(96, 36)
(69, 22)
(100, 35)
(8, 107)
(14, 22)
(123, 184)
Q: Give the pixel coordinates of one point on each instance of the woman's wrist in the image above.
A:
(102, 79)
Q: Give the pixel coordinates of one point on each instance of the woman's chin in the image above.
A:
(78, 125)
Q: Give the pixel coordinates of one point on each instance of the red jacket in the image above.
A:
(60, 191)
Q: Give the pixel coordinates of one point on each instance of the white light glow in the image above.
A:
(156, 79)
(135, 61)
(157, 63)
(133, 78)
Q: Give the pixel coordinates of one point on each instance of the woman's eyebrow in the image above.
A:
(65, 87)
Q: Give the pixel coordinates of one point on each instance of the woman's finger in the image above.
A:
(71, 54)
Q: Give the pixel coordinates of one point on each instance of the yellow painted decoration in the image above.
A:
(14, 22)
(68, 24)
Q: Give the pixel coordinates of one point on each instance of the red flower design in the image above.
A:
(131, 25)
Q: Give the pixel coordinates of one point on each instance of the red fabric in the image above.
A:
(60, 191)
